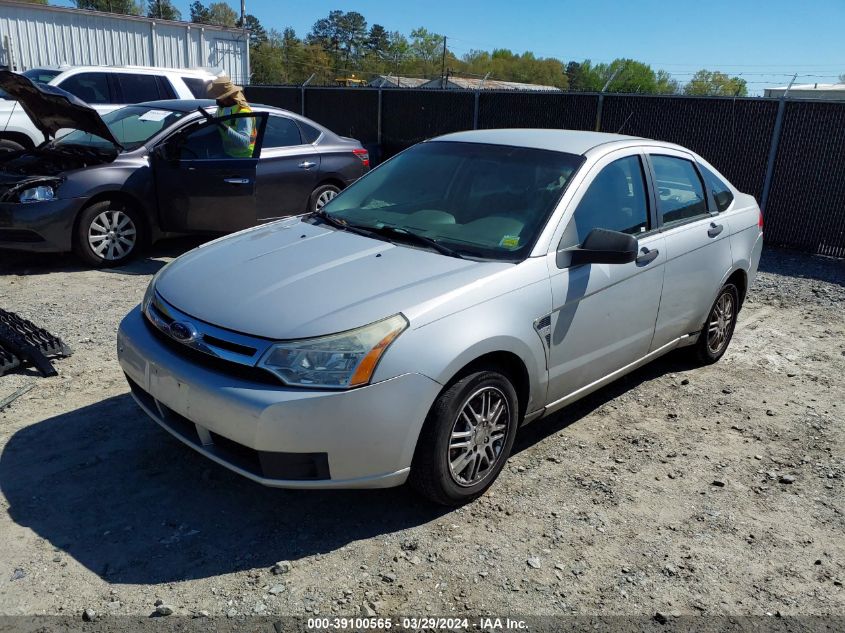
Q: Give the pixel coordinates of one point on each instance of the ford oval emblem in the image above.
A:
(183, 332)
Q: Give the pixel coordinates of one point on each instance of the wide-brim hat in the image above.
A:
(222, 87)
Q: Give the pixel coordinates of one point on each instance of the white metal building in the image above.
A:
(33, 35)
(827, 92)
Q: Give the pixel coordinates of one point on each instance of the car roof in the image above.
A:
(570, 141)
(62, 68)
(179, 105)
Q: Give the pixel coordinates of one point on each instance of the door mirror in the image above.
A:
(600, 247)
(169, 150)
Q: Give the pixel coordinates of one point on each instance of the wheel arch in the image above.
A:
(124, 197)
(17, 137)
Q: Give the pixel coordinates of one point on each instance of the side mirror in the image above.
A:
(168, 150)
(601, 247)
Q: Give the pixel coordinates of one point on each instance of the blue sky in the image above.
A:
(766, 41)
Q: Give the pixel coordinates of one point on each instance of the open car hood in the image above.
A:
(52, 109)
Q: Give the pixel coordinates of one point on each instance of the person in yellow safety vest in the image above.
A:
(238, 134)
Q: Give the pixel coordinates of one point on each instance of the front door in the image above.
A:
(604, 314)
(205, 175)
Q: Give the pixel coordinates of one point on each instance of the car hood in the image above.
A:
(293, 279)
(52, 109)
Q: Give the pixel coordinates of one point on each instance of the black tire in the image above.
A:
(717, 331)
(121, 251)
(322, 191)
(10, 146)
(431, 474)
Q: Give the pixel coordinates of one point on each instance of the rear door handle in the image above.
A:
(236, 181)
(647, 256)
(715, 229)
(307, 165)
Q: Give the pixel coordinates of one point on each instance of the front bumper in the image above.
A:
(276, 435)
(44, 227)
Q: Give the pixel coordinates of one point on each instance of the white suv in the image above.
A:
(105, 88)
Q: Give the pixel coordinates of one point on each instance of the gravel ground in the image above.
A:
(678, 490)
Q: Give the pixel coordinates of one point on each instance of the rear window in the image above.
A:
(197, 86)
(309, 132)
(721, 192)
(138, 88)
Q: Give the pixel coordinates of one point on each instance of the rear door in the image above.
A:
(698, 247)
(287, 171)
(604, 314)
(200, 184)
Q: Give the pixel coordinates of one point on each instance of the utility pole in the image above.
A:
(243, 13)
(443, 65)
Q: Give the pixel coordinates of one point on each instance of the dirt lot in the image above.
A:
(677, 490)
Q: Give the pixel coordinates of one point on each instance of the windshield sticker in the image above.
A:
(155, 115)
(510, 241)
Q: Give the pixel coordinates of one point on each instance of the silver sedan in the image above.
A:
(474, 283)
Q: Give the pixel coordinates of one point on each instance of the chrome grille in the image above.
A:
(204, 337)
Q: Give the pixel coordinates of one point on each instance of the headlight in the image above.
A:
(41, 193)
(340, 361)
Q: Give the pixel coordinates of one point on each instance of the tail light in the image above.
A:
(760, 220)
(364, 155)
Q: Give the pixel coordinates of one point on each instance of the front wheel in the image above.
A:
(108, 234)
(466, 439)
(719, 328)
(321, 196)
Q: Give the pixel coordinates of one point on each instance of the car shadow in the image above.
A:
(154, 258)
(108, 487)
(111, 489)
(678, 362)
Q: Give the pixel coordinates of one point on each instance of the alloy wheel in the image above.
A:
(720, 322)
(324, 198)
(112, 235)
(478, 436)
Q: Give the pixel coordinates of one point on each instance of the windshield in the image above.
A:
(36, 75)
(487, 201)
(132, 127)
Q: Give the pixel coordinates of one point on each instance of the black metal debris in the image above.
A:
(22, 342)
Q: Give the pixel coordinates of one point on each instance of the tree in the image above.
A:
(36, 1)
(378, 39)
(342, 35)
(221, 14)
(199, 13)
(257, 33)
(715, 83)
(127, 7)
(163, 10)
(666, 85)
(575, 76)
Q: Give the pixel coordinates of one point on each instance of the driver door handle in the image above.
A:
(236, 181)
(307, 165)
(715, 229)
(647, 256)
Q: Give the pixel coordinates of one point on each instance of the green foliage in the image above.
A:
(127, 7)
(199, 13)
(163, 10)
(257, 33)
(34, 1)
(707, 83)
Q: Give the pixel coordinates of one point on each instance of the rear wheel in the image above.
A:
(466, 439)
(719, 328)
(321, 196)
(109, 233)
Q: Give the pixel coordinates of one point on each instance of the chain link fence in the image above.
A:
(806, 196)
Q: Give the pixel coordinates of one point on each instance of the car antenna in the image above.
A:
(621, 127)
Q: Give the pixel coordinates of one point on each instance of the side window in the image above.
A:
(197, 86)
(138, 88)
(721, 193)
(229, 137)
(92, 88)
(680, 194)
(165, 88)
(309, 132)
(615, 200)
(281, 132)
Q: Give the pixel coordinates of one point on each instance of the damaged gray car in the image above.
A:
(104, 187)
